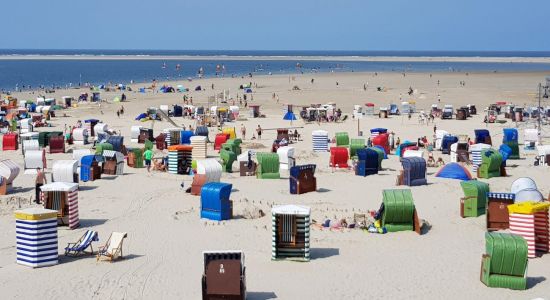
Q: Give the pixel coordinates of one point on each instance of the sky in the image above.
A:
(480, 25)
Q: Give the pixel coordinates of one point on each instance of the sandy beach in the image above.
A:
(166, 237)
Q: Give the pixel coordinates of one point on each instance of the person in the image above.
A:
(40, 181)
(159, 165)
(312, 80)
(431, 161)
(190, 127)
(118, 113)
(123, 98)
(296, 135)
(148, 155)
(369, 142)
(122, 106)
(259, 131)
(243, 131)
(392, 140)
(397, 142)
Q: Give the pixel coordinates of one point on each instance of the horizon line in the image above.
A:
(290, 50)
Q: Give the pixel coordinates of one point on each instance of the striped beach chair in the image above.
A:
(74, 249)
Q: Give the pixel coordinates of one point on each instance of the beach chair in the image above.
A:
(85, 241)
(233, 145)
(268, 166)
(342, 139)
(113, 247)
(491, 161)
(367, 163)
(228, 158)
(399, 212)
(302, 179)
(505, 263)
(355, 145)
(474, 202)
(224, 275)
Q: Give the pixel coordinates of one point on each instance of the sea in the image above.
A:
(160, 65)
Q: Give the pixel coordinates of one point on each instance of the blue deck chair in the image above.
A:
(74, 249)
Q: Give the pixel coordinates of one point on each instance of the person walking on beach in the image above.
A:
(39, 181)
(118, 113)
(243, 131)
(259, 131)
(122, 109)
(148, 156)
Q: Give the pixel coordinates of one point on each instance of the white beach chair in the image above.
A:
(113, 247)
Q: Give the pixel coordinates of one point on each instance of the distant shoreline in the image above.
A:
(284, 58)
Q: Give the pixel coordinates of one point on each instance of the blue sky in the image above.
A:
(276, 25)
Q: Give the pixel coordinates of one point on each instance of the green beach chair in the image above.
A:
(228, 158)
(268, 166)
(355, 145)
(99, 148)
(505, 263)
(342, 139)
(233, 145)
(474, 202)
(399, 212)
(491, 160)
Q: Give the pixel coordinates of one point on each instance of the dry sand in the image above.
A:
(166, 235)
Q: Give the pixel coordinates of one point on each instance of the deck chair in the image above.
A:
(85, 241)
(113, 246)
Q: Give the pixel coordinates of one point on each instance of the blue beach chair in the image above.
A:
(74, 249)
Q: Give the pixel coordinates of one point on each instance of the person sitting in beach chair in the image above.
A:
(158, 165)
(74, 249)
(113, 247)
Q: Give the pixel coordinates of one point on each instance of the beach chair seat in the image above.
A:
(113, 247)
(85, 242)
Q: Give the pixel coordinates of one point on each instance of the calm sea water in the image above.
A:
(50, 73)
